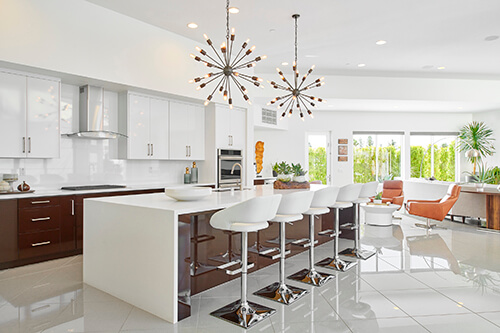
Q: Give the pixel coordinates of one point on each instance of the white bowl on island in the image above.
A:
(188, 193)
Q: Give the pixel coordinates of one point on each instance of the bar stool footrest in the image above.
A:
(328, 233)
(349, 226)
(305, 242)
(238, 271)
(276, 255)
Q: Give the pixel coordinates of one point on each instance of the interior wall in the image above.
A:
(492, 120)
(84, 161)
(290, 145)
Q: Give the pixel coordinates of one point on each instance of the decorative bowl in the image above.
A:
(187, 193)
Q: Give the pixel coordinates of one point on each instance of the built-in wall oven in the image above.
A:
(229, 159)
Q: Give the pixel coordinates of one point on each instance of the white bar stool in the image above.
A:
(291, 208)
(245, 217)
(367, 190)
(347, 194)
(321, 201)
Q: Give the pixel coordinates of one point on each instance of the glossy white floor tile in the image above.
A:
(445, 281)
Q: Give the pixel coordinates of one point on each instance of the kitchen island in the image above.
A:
(135, 246)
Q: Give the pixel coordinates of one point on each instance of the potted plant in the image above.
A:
(285, 172)
(476, 140)
(299, 175)
(483, 176)
(275, 169)
(378, 198)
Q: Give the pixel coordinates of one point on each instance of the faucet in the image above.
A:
(232, 172)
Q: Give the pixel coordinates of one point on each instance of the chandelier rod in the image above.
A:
(296, 16)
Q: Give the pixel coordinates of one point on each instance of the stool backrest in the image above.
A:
(255, 210)
(326, 197)
(295, 203)
(349, 193)
(368, 190)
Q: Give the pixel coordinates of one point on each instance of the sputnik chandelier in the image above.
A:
(296, 96)
(227, 67)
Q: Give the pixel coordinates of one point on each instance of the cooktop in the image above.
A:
(91, 187)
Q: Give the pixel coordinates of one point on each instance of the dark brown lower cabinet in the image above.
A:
(8, 231)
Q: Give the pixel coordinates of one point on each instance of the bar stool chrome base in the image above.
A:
(337, 264)
(312, 277)
(241, 315)
(281, 293)
(357, 253)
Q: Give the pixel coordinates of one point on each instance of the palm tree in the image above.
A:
(477, 141)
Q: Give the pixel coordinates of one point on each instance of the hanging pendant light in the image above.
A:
(296, 96)
(227, 67)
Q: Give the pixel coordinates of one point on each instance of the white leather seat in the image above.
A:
(247, 216)
(367, 191)
(347, 195)
(322, 199)
(291, 208)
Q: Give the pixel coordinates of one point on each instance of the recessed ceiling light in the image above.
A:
(441, 67)
(381, 42)
(192, 25)
(284, 63)
(272, 30)
(460, 108)
(491, 38)
(361, 65)
(234, 10)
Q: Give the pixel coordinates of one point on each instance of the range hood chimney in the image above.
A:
(92, 124)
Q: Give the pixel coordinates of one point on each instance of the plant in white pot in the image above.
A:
(483, 176)
(299, 175)
(285, 172)
(378, 198)
(476, 140)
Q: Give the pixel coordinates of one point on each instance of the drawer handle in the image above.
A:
(40, 244)
(40, 219)
(40, 202)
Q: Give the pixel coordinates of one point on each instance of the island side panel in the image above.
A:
(131, 253)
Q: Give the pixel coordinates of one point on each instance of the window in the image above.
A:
(434, 155)
(318, 145)
(376, 156)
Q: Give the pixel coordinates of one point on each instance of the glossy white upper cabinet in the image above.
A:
(159, 128)
(147, 126)
(187, 131)
(29, 113)
(43, 118)
(230, 127)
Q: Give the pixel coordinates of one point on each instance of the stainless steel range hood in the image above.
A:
(92, 120)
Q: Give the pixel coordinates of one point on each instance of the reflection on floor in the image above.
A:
(447, 281)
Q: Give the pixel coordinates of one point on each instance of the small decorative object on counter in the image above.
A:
(4, 186)
(275, 168)
(279, 185)
(285, 172)
(378, 198)
(194, 174)
(299, 175)
(259, 155)
(10, 178)
(187, 176)
(23, 187)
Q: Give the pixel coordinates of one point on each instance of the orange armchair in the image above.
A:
(434, 209)
(392, 192)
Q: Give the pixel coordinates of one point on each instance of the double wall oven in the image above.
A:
(229, 159)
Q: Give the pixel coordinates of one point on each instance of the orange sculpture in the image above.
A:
(259, 155)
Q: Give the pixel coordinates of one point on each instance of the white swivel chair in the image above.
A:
(347, 195)
(249, 216)
(290, 210)
(321, 201)
(367, 190)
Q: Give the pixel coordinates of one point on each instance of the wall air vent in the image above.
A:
(269, 116)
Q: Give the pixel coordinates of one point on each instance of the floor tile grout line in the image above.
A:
(479, 314)
(128, 315)
(330, 305)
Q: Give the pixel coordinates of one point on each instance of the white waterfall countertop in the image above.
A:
(131, 244)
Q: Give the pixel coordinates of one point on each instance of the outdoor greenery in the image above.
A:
(389, 159)
(317, 164)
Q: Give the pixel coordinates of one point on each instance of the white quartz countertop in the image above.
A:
(132, 187)
(217, 200)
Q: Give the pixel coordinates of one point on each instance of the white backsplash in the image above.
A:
(84, 161)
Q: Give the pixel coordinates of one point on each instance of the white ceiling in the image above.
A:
(421, 35)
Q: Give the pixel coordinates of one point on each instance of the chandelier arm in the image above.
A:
(230, 100)
(211, 65)
(290, 106)
(304, 79)
(216, 76)
(217, 85)
(240, 87)
(306, 108)
(237, 55)
(279, 86)
(240, 59)
(249, 80)
(244, 64)
(313, 84)
(286, 81)
(217, 54)
(317, 99)
(214, 60)
(286, 100)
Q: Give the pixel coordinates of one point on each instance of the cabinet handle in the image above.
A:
(40, 244)
(29, 145)
(148, 150)
(229, 138)
(189, 151)
(187, 154)
(152, 151)
(40, 202)
(24, 144)
(72, 207)
(232, 141)
(40, 219)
